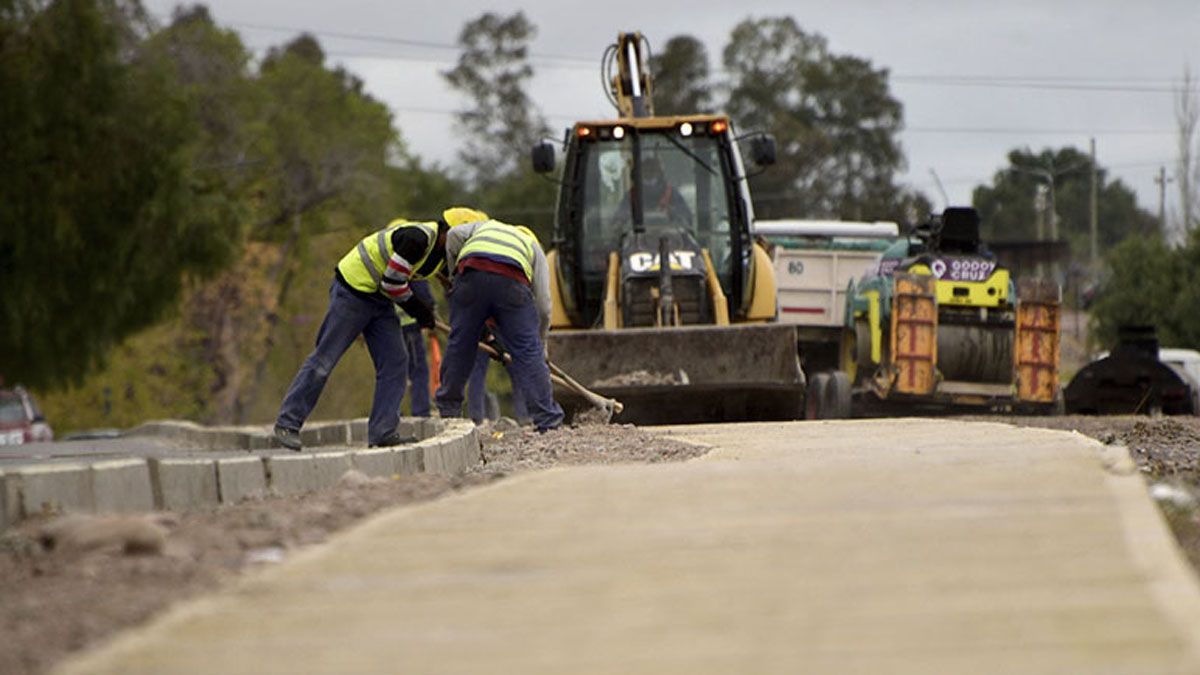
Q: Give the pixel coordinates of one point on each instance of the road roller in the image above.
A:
(935, 324)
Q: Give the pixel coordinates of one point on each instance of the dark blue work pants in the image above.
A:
(418, 370)
(476, 297)
(477, 390)
(348, 316)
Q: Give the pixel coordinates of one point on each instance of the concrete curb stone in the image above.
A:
(454, 451)
(329, 467)
(55, 488)
(410, 460)
(240, 478)
(375, 462)
(121, 486)
(409, 427)
(10, 500)
(437, 456)
(290, 474)
(184, 484)
(357, 430)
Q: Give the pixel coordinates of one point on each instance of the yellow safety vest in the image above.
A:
(497, 240)
(364, 265)
(405, 318)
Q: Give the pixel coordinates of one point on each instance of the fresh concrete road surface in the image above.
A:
(891, 546)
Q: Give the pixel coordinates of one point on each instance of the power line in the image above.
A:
(1036, 131)
(546, 59)
(970, 81)
(385, 39)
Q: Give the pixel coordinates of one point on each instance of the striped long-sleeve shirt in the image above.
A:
(408, 244)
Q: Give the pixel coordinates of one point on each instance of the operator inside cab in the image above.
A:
(662, 202)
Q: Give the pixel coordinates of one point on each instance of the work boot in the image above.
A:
(288, 438)
(392, 439)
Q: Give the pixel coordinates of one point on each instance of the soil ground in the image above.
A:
(59, 595)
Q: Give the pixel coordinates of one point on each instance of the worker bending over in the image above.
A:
(499, 272)
(367, 282)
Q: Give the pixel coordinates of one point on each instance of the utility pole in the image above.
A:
(1049, 174)
(1093, 216)
(1162, 180)
(1039, 209)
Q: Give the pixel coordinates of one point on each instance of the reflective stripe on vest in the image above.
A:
(499, 241)
(363, 266)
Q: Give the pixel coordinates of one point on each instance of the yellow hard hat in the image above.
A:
(461, 215)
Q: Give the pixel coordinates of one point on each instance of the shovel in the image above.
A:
(560, 377)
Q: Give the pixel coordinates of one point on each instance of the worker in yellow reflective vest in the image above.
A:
(499, 272)
(368, 281)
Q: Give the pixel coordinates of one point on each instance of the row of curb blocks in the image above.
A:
(255, 438)
(132, 485)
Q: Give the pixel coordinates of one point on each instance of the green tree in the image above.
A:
(325, 143)
(1009, 210)
(833, 116)
(102, 212)
(682, 82)
(1150, 283)
(213, 68)
(501, 123)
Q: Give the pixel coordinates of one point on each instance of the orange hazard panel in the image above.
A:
(1036, 354)
(435, 363)
(914, 333)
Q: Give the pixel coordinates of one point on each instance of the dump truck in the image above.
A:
(935, 324)
(815, 262)
(662, 297)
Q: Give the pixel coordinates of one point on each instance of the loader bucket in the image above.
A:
(685, 374)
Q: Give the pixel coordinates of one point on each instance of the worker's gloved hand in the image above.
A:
(420, 311)
(489, 338)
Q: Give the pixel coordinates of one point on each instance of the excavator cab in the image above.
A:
(638, 183)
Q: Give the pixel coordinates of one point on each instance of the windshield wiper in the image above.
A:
(687, 151)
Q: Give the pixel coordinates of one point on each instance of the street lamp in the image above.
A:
(1049, 174)
(1046, 193)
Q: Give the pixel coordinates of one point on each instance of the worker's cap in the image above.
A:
(461, 215)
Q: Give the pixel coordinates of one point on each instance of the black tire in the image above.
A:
(815, 398)
(838, 396)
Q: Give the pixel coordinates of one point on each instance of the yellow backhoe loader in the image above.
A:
(662, 297)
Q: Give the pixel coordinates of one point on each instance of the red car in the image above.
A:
(20, 419)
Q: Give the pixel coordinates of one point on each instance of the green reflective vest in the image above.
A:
(502, 242)
(364, 265)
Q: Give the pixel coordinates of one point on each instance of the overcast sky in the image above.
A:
(1035, 73)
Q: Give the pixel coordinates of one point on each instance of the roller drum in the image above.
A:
(975, 353)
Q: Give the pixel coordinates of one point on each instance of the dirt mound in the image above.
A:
(641, 378)
(523, 450)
